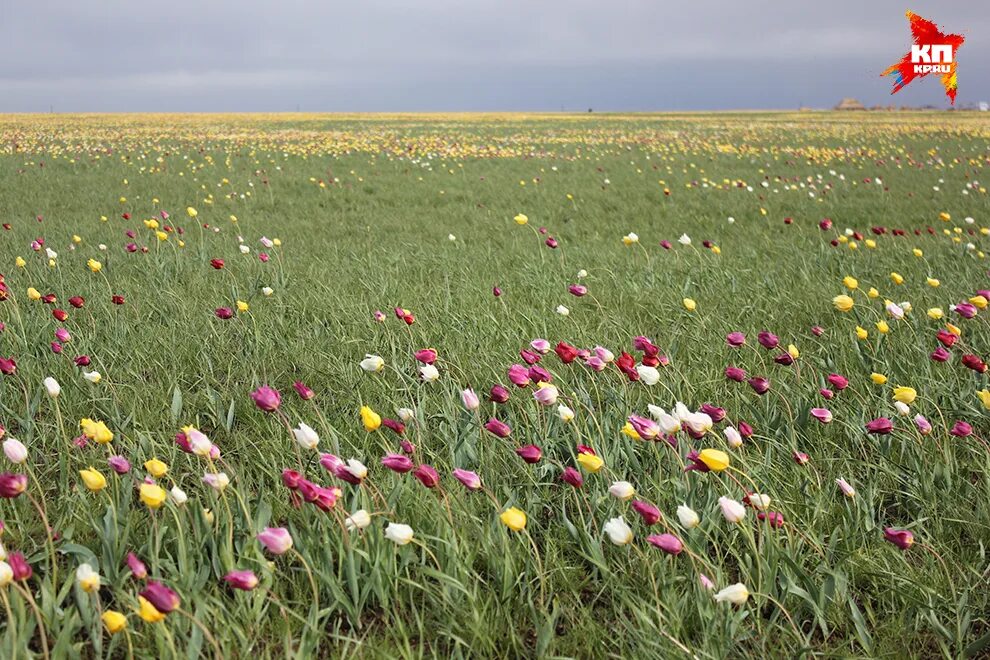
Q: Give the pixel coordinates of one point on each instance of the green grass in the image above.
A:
(376, 237)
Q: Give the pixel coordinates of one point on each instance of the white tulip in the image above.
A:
(357, 520)
(406, 414)
(737, 594)
(688, 517)
(732, 510)
(618, 531)
(733, 437)
(52, 387)
(428, 373)
(563, 311)
(759, 502)
(565, 413)
(178, 495)
(306, 436)
(649, 375)
(622, 490)
(14, 450)
(357, 468)
(6, 574)
(372, 363)
(684, 239)
(92, 376)
(398, 533)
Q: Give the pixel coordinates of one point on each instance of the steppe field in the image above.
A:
(500, 385)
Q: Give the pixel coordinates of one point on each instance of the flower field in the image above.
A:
(697, 385)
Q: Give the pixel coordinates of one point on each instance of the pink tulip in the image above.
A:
(823, 415)
(266, 398)
(398, 463)
(577, 290)
(530, 453)
(427, 476)
(735, 373)
(426, 355)
(243, 580)
(961, 429)
(735, 339)
(498, 427)
(304, 392)
(498, 394)
(164, 599)
(470, 479)
(19, 566)
(666, 542)
(137, 567)
(276, 540)
(470, 399)
(759, 384)
(880, 426)
(519, 375)
(902, 538)
(649, 513)
(767, 339)
(572, 477)
(838, 382)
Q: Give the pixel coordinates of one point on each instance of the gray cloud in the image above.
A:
(388, 55)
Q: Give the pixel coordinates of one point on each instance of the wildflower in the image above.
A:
(714, 459)
(87, 578)
(843, 303)
(398, 533)
(902, 538)
(530, 453)
(306, 436)
(14, 450)
(52, 387)
(114, 621)
(12, 485)
(470, 479)
(736, 594)
(266, 398)
(846, 489)
(370, 419)
(687, 517)
(622, 490)
(360, 519)
(93, 480)
(666, 542)
(156, 468)
(161, 597)
(590, 462)
(880, 426)
(732, 510)
(242, 580)
(152, 495)
(514, 519)
(618, 531)
(823, 415)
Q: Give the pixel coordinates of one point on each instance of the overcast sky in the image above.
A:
(393, 55)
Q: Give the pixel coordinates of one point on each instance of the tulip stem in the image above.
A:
(10, 620)
(309, 574)
(37, 615)
(206, 632)
(53, 564)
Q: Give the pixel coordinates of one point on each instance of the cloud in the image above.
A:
(446, 55)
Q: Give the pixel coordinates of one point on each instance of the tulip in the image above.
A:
(360, 519)
(622, 490)
(648, 512)
(397, 463)
(224, 313)
(514, 519)
(940, 355)
(498, 428)
(618, 531)
(156, 468)
(218, 481)
(572, 477)
(648, 375)
(152, 495)
(470, 399)
(823, 415)
(714, 459)
(566, 414)
(370, 419)
(161, 597)
(178, 495)
(530, 453)
(276, 540)
(242, 580)
(666, 542)
(398, 533)
(846, 489)
(758, 501)
(688, 517)
(114, 621)
(427, 476)
(732, 437)
(6, 574)
(974, 362)
(304, 392)
(14, 450)
(8, 366)
(119, 464)
(736, 594)
(735, 339)
(735, 373)
(880, 426)
(759, 384)
(546, 394)
(137, 567)
(19, 566)
(306, 436)
(148, 612)
(266, 398)
(800, 457)
(52, 387)
(905, 395)
(470, 479)
(87, 578)
(372, 363)
(902, 538)
(12, 485)
(732, 510)
(93, 480)
(961, 429)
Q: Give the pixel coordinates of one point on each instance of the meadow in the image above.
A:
(698, 385)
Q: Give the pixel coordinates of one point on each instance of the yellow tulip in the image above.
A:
(878, 379)
(689, 304)
(984, 398)
(161, 236)
(629, 430)
(242, 306)
(153, 495)
(979, 302)
(792, 350)
(932, 282)
(882, 327)
(114, 621)
(19, 262)
(521, 219)
(715, 459)
(94, 265)
(905, 395)
(843, 303)
(861, 333)
(191, 212)
(148, 611)
(93, 480)
(851, 282)
(155, 468)
(370, 419)
(514, 519)
(590, 462)
(957, 331)
(33, 294)
(935, 313)
(917, 252)
(896, 278)
(873, 293)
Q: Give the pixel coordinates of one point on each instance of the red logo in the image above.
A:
(932, 52)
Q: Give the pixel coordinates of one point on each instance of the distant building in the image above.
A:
(849, 103)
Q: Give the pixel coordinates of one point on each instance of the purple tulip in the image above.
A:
(666, 542)
(880, 426)
(267, 398)
(759, 384)
(902, 538)
(735, 373)
(530, 453)
(649, 513)
(767, 339)
(164, 599)
(138, 569)
(498, 427)
(735, 339)
(427, 476)
(397, 463)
